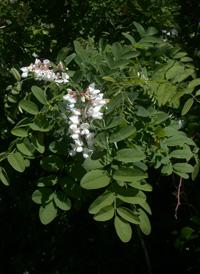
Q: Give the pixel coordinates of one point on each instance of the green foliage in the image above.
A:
(150, 85)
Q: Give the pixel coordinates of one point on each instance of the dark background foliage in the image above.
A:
(74, 243)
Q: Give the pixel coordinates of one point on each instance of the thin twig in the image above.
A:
(179, 197)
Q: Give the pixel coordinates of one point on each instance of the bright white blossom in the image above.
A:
(42, 70)
(81, 119)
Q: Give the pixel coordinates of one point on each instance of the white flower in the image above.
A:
(78, 145)
(25, 74)
(92, 91)
(74, 120)
(75, 136)
(37, 61)
(85, 128)
(46, 62)
(65, 77)
(86, 152)
(75, 112)
(99, 101)
(90, 139)
(69, 98)
(95, 113)
(74, 129)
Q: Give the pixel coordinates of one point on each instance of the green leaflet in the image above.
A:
(43, 195)
(103, 200)
(4, 177)
(128, 195)
(29, 107)
(187, 106)
(129, 174)
(128, 215)
(52, 163)
(16, 74)
(25, 147)
(62, 201)
(179, 140)
(122, 133)
(181, 154)
(47, 213)
(36, 141)
(16, 160)
(62, 54)
(185, 74)
(95, 179)
(123, 229)
(98, 159)
(142, 185)
(104, 214)
(20, 132)
(50, 180)
(144, 224)
(129, 155)
(173, 71)
(194, 83)
(39, 94)
(183, 167)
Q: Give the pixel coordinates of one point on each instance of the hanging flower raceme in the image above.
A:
(42, 70)
(80, 128)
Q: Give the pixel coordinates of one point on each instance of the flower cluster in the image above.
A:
(80, 121)
(44, 71)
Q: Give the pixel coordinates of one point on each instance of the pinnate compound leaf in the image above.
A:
(103, 200)
(62, 201)
(39, 94)
(29, 107)
(95, 179)
(47, 213)
(128, 215)
(123, 229)
(144, 224)
(43, 195)
(16, 160)
(129, 155)
(4, 177)
(104, 214)
(187, 106)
